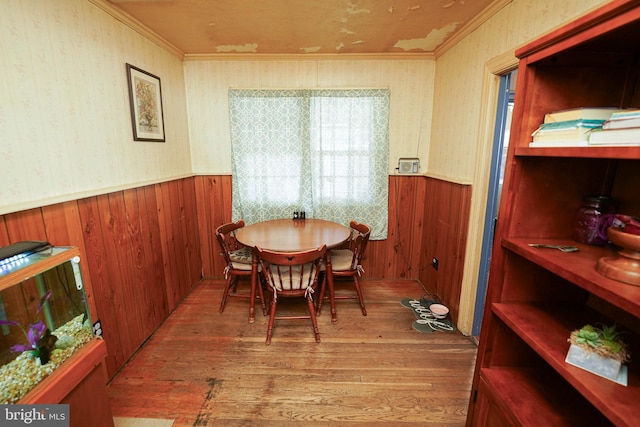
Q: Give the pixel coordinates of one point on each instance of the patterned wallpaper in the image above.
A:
(410, 82)
(65, 122)
(459, 78)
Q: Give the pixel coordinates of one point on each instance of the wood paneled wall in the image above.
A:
(446, 214)
(141, 255)
(145, 248)
(214, 209)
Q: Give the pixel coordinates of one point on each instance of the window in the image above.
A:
(324, 152)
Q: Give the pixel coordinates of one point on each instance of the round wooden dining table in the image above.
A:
(293, 235)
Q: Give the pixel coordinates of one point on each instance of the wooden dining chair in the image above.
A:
(292, 275)
(347, 263)
(238, 260)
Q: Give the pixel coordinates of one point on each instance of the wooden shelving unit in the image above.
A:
(81, 384)
(536, 297)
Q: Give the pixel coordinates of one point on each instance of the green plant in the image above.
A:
(41, 341)
(604, 340)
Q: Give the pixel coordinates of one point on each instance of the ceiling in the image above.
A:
(206, 27)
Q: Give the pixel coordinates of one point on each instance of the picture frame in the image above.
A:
(145, 99)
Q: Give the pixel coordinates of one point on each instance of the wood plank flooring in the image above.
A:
(205, 368)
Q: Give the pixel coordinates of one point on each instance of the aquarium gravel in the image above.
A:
(21, 375)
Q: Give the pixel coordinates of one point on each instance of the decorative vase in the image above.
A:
(625, 267)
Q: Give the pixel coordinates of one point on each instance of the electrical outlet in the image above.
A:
(434, 262)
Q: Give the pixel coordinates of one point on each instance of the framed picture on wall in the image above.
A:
(145, 97)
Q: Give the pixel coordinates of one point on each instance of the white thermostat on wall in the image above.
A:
(408, 165)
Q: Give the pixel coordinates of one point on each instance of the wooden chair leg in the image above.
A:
(312, 315)
(321, 296)
(231, 282)
(272, 318)
(261, 292)
(359, 292)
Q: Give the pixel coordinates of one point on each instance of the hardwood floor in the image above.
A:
(204, 368)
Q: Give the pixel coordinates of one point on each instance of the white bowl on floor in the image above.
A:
(439, 311)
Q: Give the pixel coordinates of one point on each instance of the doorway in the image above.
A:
(496, 175)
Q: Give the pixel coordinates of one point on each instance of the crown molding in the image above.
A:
(471, 26)
(503, 63)
(138, 27)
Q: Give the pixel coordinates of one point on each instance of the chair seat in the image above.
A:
(284, 283)
(242, 255)
(341, 259)
(241, 266)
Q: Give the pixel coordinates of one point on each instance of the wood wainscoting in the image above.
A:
(446, 218)
(145, 248)
(139, 247)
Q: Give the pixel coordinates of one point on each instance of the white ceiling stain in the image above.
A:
(313, 49)
(351, 10)
(428, 43)
(340, 46)
(249, 47)
(345, 31)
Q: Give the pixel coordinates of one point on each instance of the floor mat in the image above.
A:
(425, 321)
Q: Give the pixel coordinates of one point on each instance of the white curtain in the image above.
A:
(324, 152)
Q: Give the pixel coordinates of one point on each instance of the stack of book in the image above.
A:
(622, 128)
(570, 128)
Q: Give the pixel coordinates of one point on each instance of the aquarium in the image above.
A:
(44, 317)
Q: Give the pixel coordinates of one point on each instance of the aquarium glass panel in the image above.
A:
(44, 319)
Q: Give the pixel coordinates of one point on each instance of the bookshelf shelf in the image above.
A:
(545, 329)
(585, 152)
(532, 388)
(536, 297)
(579, 269)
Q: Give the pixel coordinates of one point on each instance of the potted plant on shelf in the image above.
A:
(599, 350)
